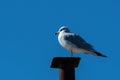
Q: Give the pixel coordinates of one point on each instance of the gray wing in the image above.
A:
(79, 42)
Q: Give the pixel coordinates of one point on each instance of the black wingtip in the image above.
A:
(99, 54)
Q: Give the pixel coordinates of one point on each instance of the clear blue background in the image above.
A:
(28, 43)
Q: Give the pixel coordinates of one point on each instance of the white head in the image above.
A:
(62, 29)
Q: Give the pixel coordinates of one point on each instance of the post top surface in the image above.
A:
(59, 62)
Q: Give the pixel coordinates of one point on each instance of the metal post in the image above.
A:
(66, 66)
(67, 73)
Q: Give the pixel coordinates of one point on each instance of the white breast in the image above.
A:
(66, 44)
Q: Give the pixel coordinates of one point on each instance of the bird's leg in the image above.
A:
(71, 53)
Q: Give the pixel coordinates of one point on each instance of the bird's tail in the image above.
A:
(100, 54)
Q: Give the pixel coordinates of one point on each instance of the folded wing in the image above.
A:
(79, 42)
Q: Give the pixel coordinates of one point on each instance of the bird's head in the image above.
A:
(62, 29)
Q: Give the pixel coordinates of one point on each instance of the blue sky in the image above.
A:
(28, 43)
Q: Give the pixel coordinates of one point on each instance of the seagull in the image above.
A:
(75, 43)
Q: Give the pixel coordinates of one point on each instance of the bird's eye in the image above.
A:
(61, 29)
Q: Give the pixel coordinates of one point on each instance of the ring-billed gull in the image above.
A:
(74, 43)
